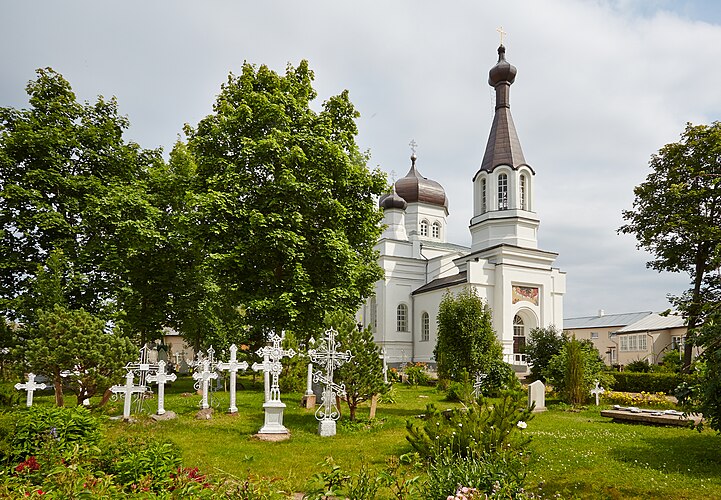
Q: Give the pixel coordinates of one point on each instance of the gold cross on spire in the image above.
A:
(501, 32)
(413, 145)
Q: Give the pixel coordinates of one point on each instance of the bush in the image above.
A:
(542, 345)
(61, 428)
(647, 382)
(486, 474)
(638, 366)
(478, 429)
(416, 374)
(147, 462)
(574, 371)
(637, 399)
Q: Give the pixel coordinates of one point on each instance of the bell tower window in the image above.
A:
(436, 230)
(524, 192)
(424, 227)
(503, 192)
(484, 199)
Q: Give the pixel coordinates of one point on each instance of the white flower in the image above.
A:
(521, 424)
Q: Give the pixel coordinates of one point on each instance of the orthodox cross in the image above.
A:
(177, 358)
(329, 358)
(597, 391)
(127, 391)
(31, 387)
(202, 377)
(160, 377)
(501, 32)
(271, 365)
(143, 366)
(478, 384)
(413, 144)
(233, 366)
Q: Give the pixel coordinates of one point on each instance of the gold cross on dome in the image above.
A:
(413, 145)
(501, 32)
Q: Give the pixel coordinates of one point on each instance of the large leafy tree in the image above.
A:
(542, 345)
(676, 216)
(466, 340)
(69, 181)
(283, 209)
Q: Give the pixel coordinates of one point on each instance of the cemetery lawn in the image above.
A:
(577, 454)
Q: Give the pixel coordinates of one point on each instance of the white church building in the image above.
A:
(504, 264)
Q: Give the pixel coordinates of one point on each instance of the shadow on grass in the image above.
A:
(695, 454)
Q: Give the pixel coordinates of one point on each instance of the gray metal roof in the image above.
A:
(437, 283)
(604, 321)
(654, 322)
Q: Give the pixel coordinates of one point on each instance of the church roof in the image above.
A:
(437, 283)
(503, 147)
(392, 200)
(415, 188)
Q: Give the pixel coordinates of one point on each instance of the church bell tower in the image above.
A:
(503, 203)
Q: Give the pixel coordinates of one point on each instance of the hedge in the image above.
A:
(647, 382)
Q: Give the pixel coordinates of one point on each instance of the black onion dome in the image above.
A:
(392, 200)
(503, 71)
(415, 188)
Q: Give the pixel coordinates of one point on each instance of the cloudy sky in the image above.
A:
(601, 86)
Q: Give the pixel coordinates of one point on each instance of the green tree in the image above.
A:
(542, 345)
(77, 341)
(363, 375)
(69, 182)
(575, 369)
(676, 216)
(283, 204)
(466, 340)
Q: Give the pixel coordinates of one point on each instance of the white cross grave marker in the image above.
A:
(31, 387)
(143, 367)
(160, 377)
(478, 384)
(597, 391)
(203, 377)
(127, 391)
(232, 367)
(329, 358)
(271, 366)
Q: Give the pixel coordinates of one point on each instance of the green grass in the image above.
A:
(578, 454)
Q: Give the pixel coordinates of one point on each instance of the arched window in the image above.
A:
(402, 318)
(436, 230)
(524, 193)
(502, 192)
(425, 327)
(374, 314)
(484, 197)
(519, 334)
(424, 227)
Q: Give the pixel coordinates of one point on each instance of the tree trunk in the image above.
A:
(694, 309)
(106, 397)
(58, 384)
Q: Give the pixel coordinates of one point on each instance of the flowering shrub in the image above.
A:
(416, 374)
(658, 399)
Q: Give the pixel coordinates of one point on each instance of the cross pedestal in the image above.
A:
(271, 366)
(31, 387)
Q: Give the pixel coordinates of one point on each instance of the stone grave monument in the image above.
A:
(537, 395)
(273, 406)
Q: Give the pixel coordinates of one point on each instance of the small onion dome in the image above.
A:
(392, 200)
(503, 71)
(416, 188)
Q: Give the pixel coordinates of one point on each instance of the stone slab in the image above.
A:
(168, 415)
(651, 417)
(308, 401)
(280, 436)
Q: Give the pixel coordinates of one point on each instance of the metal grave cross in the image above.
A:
(597, 391)
(478, 384)
(127, 391)
(160, 377)
(31, 387)
(329, 358)
(271, 365)
(232, 367)
(203, 377)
